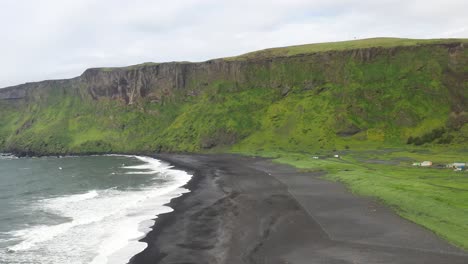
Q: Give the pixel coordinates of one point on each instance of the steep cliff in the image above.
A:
(379, 92)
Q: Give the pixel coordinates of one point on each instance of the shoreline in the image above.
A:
(244, 209)
(196, 186)
(250, 210)
(162, 220)
(95, 200)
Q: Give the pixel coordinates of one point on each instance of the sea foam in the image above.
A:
(101, 226)
(7, 156)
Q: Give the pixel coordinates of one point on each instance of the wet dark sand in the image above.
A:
(250, 210)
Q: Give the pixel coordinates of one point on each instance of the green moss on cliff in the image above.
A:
(344, 99)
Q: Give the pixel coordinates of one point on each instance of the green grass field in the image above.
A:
(342, 45)
(432, 197)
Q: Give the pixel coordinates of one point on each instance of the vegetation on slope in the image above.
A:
(348, 99)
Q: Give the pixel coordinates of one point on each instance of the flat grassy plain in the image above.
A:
(436, 198)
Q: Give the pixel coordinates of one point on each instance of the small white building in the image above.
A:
(423, 164)
(426, 163)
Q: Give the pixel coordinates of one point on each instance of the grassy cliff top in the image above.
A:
(136, 66)
(315, 47)
(342, 45)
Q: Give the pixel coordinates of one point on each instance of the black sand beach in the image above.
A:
(250, 210)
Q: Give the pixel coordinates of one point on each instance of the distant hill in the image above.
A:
(381, 92)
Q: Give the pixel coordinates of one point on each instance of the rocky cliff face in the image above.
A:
(131, 84)
(13, 93)
(155, 81)
(265, 99)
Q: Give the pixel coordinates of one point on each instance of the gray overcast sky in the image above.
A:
(51, 39)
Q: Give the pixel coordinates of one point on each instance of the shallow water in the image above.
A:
(81, 209)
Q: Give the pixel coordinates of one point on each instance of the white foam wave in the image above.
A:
(63, 206)
(140, 172)
(151, 166)
(73, 198)
(104, 223)
(7, 156)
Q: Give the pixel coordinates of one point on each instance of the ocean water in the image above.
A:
(91, 209)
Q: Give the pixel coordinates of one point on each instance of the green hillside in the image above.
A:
(351, 96)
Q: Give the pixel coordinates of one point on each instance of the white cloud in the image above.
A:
(61, 38)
